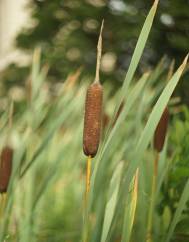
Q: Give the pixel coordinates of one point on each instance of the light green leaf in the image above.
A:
(130, 210)
(112, 200)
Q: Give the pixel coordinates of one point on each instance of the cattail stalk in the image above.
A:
(92, 127)
(153, 196)
(88, 175)
(6, 158)
(3, 200)
(5, 168)
(159, 140)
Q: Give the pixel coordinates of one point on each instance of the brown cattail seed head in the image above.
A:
(92, 121)
(161, 130)
(5, 168)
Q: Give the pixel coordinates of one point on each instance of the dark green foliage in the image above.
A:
(178, 172)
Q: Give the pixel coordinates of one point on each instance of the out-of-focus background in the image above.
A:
(67, 32)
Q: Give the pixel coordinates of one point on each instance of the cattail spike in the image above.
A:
(93, 109)
(5, 168)
(99, 54)
(161, 130)
(92, 120)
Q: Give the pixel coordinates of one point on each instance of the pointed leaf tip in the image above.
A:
(186, 58)
(102, 26)
(183, 65)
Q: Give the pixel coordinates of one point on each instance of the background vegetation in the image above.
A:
(46, 191)
(67, 32)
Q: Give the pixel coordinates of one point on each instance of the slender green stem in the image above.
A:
(1, 204)
(149, 237)
(86, 207)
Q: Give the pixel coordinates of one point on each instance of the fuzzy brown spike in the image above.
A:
(92, 120)
(161, 130)
(5, 168)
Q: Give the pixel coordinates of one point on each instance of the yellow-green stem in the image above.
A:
(3, 199)
(87, 190)
(149, 237)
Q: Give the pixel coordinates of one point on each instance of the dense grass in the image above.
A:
(45, 200)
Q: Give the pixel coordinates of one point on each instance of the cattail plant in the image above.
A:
(5, 168)
(159, 140)
(92, 121)
(6, 157)
(93, 110)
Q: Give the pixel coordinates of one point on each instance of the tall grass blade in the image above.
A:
(130, 210)
(111, 204)
(139, 48)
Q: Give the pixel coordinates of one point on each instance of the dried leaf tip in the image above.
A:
(99, 54)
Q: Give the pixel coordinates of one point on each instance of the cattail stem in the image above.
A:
(152, 202)
(99, 54)
(92, 129)
(3, 199)
(87, 190)
(88, 177)
(1, 203)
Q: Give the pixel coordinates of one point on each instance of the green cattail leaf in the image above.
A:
(112, 200)
(130, 209)
(136, 55)
(139, 49)
(181, 205)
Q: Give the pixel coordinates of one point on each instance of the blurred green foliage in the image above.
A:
(67, 31)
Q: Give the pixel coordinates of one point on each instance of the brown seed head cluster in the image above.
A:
(161, 130)
(92, 120)
(5, 168)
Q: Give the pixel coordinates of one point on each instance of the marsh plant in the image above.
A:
(47, 190)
